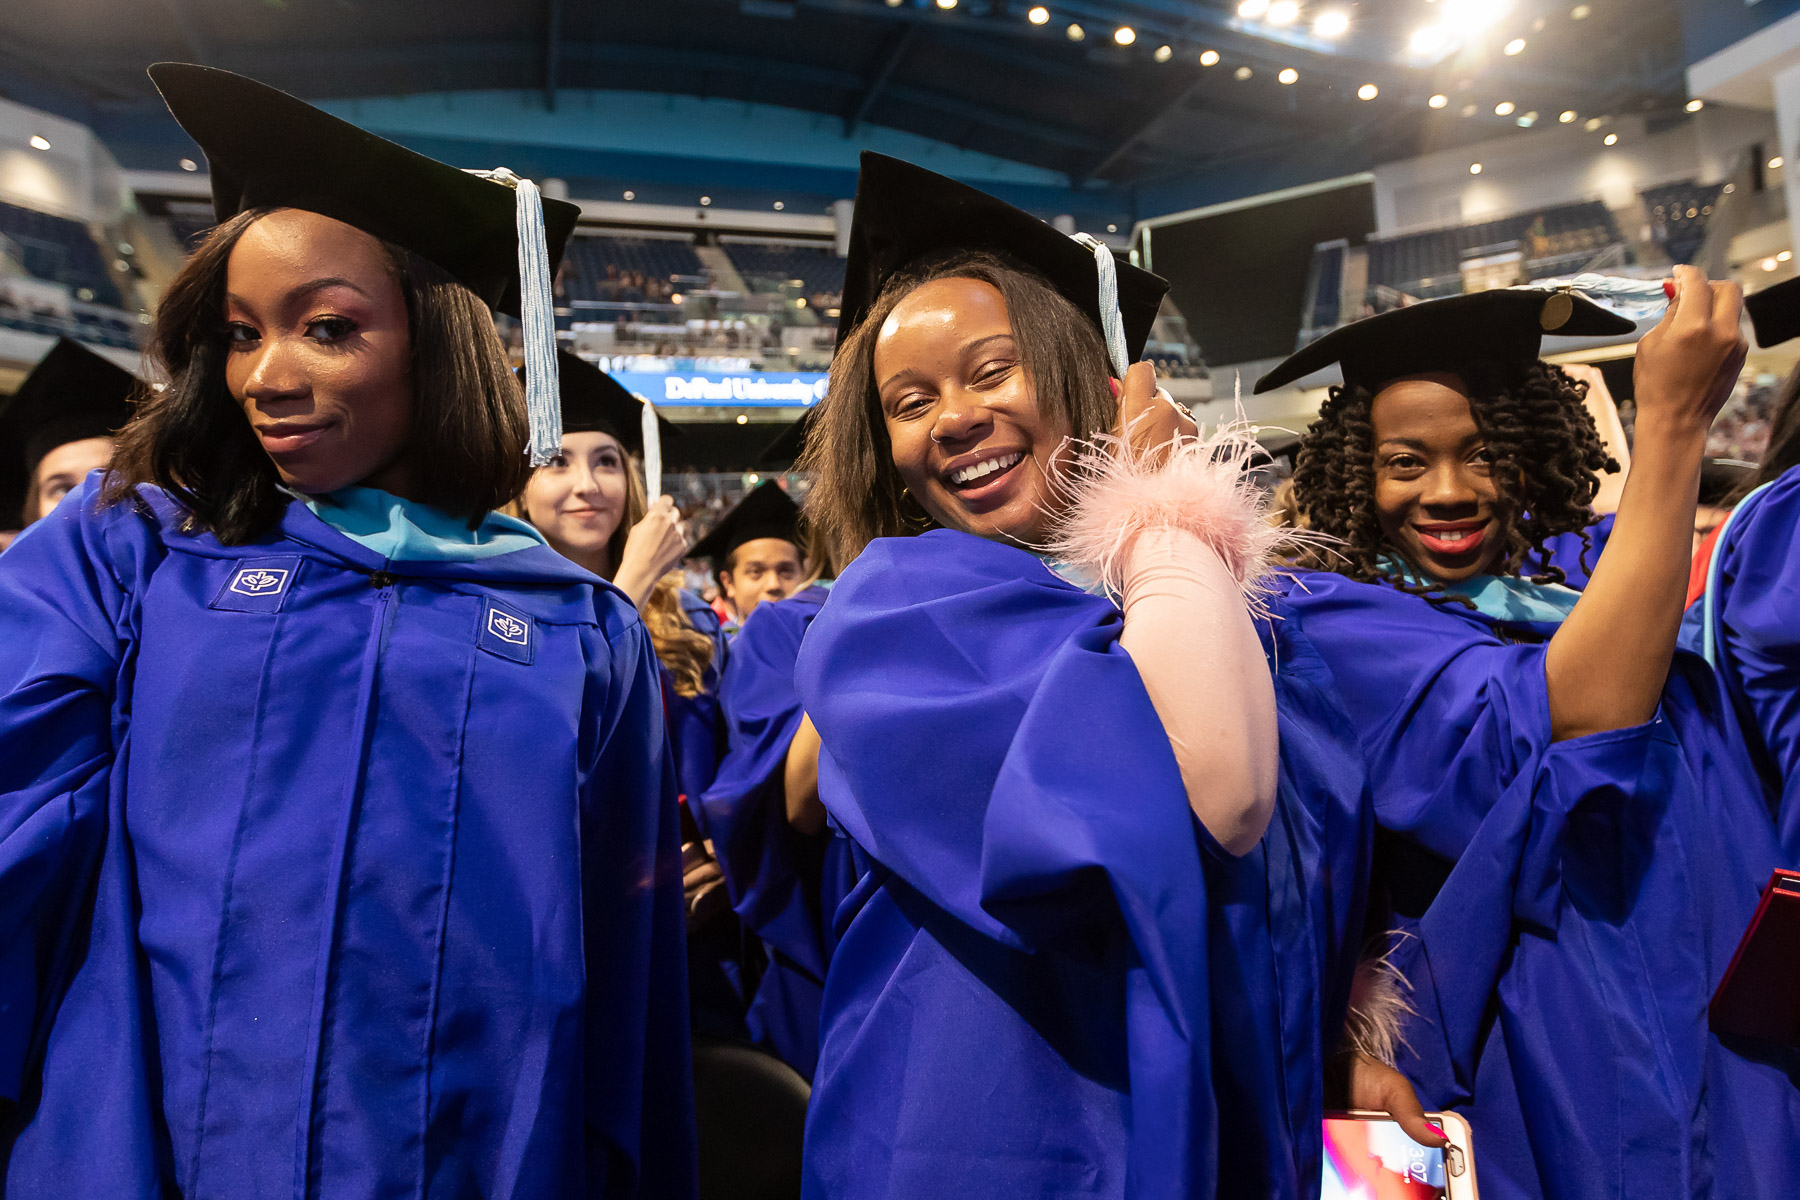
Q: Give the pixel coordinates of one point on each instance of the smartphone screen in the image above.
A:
(1375, 1160)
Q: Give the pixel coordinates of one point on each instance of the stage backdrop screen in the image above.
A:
(1238, 271)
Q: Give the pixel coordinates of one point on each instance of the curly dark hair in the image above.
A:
(1546, 455)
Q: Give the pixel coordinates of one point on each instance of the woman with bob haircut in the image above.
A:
(1577, 841)
(1109, 858)
(338, 853)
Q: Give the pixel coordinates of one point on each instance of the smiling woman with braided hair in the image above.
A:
(1572, 838)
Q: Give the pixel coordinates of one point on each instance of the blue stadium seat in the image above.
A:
(1679, 213)
(59, 250)
(766, 267)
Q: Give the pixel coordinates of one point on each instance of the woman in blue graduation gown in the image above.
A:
(1572, 841)
(1746, 622)
(338, 854)
(590, 503)
(785, 872)
(1070, 965)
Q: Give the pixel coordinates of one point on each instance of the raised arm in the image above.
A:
(1606, 667)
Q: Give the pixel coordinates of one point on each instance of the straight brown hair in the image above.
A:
(857, 494)
(193, 440)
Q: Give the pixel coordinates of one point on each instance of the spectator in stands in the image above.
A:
(755, 550)
(58, 428)
(395, 807)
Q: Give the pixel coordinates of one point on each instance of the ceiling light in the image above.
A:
(1511, 48)
(1438, 101)
(1427, 40)
(1768, 264)
(1112, 229)
(1124, 35)
(1367, 91)
(1469, 16)
(779, 206)
(1243, 73)
(1252, 10)
(1164, 53)
(1775, 163)
(1594, 123)
(1209, 58)
(705, 201)
(1580, 12)
(1695, 105)
(1568, 116)
(1785, 256)
(39, 142)
(742, 419)
(1528, 120)
(1288, 75)
(1075, 32)
(1474, 168)
(1332, 23)
(1504, 108)
(631, 195)
(1284, 12)
(1612, 139)
(946, 5)
(188, 164)
(1469, 110)
(1038, 15)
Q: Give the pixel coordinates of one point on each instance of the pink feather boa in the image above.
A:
(1113, 495)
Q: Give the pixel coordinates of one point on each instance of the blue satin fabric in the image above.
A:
(1571, 906)
(696, 723)
(784, 885)
(1755, 594)
(1565, 551)
(1049, 980)
(317, 883)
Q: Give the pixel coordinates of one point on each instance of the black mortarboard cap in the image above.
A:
(906, 215)
(767, 512)
(787, 446)
(594, 401)
(1723, 481)
(264, 148)
(1505, 325)
(1775, 313)
(72, 394)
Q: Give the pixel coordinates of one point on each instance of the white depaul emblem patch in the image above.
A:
(508, 628)
(259, 581)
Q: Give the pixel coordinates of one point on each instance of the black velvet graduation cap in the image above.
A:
(906, 215)
(1775, 313)
(264, 148)
(1505, 325)
(767, 512)
(593, 401)
(72, 394)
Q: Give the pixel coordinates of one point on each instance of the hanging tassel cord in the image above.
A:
(1112, 324)
(652, 453)
(543, 400)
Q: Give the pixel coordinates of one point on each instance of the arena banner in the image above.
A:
(712, 389)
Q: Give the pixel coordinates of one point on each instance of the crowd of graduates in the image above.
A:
(1048, 813)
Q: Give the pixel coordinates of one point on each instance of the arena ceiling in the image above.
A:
(980, 75)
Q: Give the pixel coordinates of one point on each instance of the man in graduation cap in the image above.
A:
(338, 849)
(755, 550)
(1574, 838)
(57, 428)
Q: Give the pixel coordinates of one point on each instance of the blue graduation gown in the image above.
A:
(1753, 591)
(325, 875)
(1050, 980)
(1572, 906)
(696, 724)
(1565, 550)
(784, 885)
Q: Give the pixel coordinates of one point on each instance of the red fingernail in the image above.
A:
(1115, 387)
(1669, 288)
